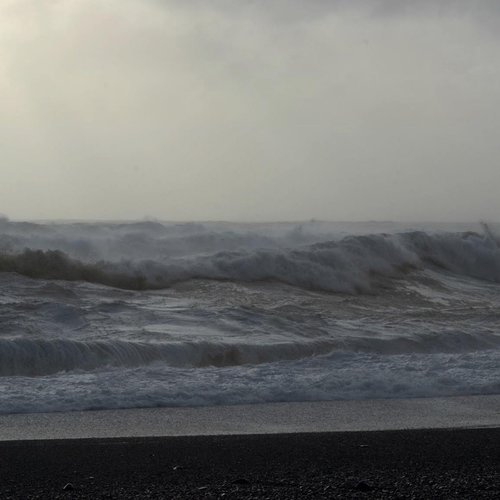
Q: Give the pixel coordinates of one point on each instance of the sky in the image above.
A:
(250, 110)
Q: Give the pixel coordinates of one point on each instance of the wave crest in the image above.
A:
(355, 264)
(56, 265)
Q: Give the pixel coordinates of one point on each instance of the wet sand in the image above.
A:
(270, 418)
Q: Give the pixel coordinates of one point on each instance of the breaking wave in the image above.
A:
(39, 357)
(354, 264)
(56, 265)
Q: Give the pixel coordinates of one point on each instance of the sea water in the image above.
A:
(98, 315)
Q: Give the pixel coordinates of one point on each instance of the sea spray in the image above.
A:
(351, 265)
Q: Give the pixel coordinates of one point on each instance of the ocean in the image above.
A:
(107, 315)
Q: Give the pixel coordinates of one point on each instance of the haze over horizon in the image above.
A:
(277, 110)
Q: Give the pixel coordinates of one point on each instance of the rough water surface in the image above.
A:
(145, 314)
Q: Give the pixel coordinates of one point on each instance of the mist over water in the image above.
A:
(150, 255)
(111, 315)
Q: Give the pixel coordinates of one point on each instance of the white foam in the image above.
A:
(334, 377)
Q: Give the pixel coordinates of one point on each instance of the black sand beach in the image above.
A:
(455, 463)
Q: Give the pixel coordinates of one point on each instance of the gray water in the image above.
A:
(146, 314)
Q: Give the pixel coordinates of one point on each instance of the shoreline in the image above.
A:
(459, 412)
(258, 451)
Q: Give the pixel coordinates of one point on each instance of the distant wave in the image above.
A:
(39, 357)
(354, 264)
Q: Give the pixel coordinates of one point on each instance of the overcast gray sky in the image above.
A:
(240, 110)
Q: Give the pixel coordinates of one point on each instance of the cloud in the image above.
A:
(249, 110)
(300, 11)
